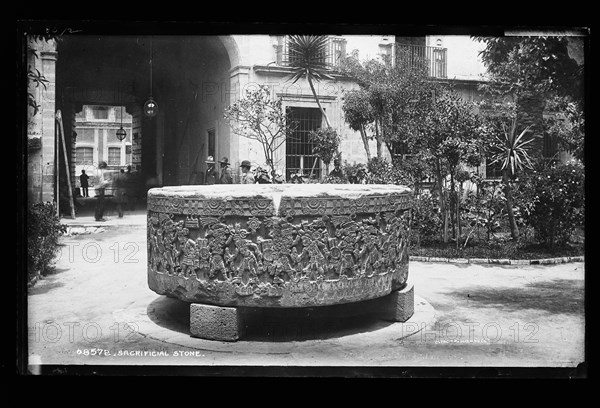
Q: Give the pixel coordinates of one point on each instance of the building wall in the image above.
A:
(41, 174)
(195, 96)
(259, 68)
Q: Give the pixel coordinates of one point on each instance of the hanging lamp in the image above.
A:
(150, 106)
(121, 133)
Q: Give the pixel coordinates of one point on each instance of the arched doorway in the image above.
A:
(188, 77)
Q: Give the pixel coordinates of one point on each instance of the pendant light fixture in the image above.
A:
(121, 133)
(150, 106)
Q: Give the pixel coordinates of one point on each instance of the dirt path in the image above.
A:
(98, 302)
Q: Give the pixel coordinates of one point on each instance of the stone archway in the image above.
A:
(233, 51)
(186, 69)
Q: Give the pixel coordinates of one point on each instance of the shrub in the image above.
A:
(554, 202)
(333, 180)
(426, 222)
(43, 231)
(262, 176)
(326, 142)
(486, 210)
(380, 171)
(355, 173)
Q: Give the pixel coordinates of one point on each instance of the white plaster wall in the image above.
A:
(367, 45)
(255, 49)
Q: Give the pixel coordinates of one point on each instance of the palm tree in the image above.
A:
(308, 58)
(511, 152)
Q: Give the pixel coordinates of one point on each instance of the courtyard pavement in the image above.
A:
(97, 309)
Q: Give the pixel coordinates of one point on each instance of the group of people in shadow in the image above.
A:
(121, 188)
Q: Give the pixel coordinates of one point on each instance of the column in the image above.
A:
(239, 81)
(136, 136)
(41, 161)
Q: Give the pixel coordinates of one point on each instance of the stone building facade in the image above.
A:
(96, 140)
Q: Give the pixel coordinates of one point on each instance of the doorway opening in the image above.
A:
(98, 151)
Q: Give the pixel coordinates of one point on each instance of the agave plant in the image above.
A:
(308, 59)
(511, 152)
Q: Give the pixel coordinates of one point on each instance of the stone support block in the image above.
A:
(216, 322)
(399, 305)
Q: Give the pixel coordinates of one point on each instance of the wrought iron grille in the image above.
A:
(299, 155)
(433, 59)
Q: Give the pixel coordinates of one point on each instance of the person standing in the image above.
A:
(119, 185)
(247, 177)
(337, 171)
(211, 173)
(226, 177)
(99, 193)
(130, 189)
(83, 180)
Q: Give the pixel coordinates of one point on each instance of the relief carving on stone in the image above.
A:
(309, 245)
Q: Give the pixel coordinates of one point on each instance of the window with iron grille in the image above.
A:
(84, 155)
(432, 59)
(114, 156)
(298, 147)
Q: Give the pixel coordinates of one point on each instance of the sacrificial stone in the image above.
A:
(281, 245)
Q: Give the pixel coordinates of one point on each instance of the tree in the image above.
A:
(567, 126)
(258, 117)
(326, 143)
(308, 59)
(532, 69)
(447, 136)
(359, 115)
(391, 100)
(407, 108)
(510, 148)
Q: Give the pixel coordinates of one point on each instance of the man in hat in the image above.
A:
(226, 177)
(337, 171)
(83, 179)
(247, 177)
(211, 173)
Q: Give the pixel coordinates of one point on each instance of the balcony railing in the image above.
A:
(336, 50)
(432, 59)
